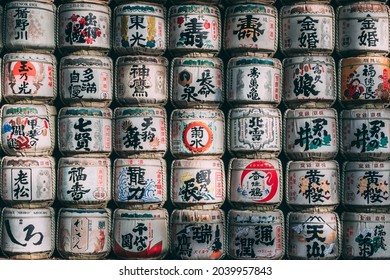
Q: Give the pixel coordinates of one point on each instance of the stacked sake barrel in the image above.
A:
(140, 224)
(84, 129)
(363, 43)
(254, 131)
(29, 88)
(310, 130)
(197, 131)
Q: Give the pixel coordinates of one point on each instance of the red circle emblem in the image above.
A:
(266, 171)
(198, 137)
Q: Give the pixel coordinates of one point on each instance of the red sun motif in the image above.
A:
(24, 70)
(272, 178)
